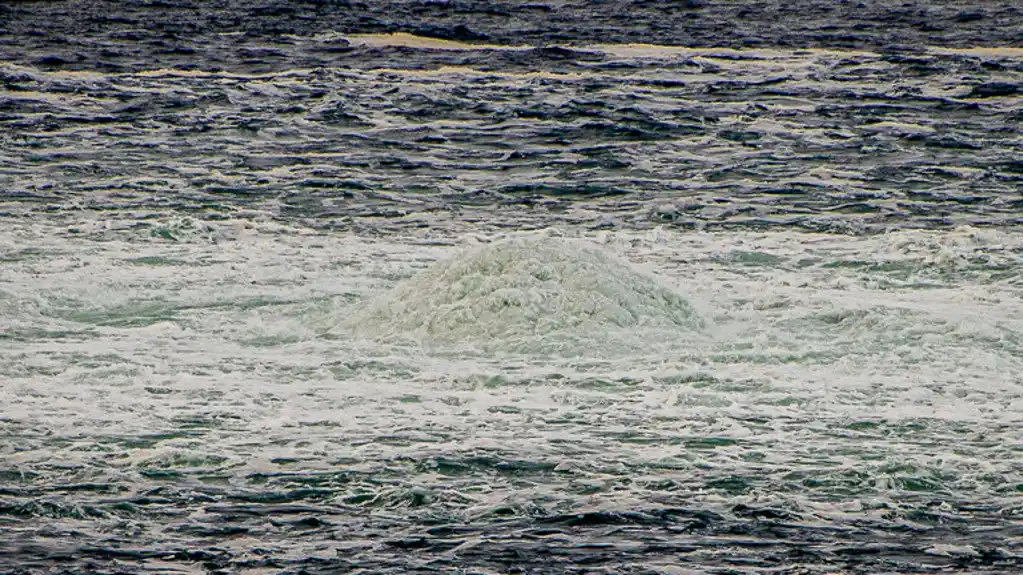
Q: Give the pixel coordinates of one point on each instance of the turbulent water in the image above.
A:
(324, 301)
(534, 295)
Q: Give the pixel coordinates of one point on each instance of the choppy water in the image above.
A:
(778, 325)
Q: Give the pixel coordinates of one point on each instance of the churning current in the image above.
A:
(384, 295)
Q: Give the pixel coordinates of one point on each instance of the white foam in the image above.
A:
(233, 365)
(532, 293)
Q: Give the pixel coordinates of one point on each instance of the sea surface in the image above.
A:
(445, 287)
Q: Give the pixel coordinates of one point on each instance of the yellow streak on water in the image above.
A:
(33, 95)
(467, 70)
(662, 51)
(176, 72)
(1005, 51)
(413, 41)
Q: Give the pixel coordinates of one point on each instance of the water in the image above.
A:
(531, 294)
(303, 320)
(173, 404)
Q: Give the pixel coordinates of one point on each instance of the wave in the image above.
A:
(533, 293)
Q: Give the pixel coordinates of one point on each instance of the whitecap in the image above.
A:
(533, 293)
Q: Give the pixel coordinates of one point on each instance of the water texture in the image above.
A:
(532, 294)
(452, 287)
(603, 137)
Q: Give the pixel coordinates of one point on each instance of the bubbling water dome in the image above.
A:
(530, 294)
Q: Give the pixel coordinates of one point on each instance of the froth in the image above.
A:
(532, 293)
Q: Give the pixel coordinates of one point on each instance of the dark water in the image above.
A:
(829, 141)
(251, 34)
(847, 117)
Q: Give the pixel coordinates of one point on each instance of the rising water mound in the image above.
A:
(534, 294)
